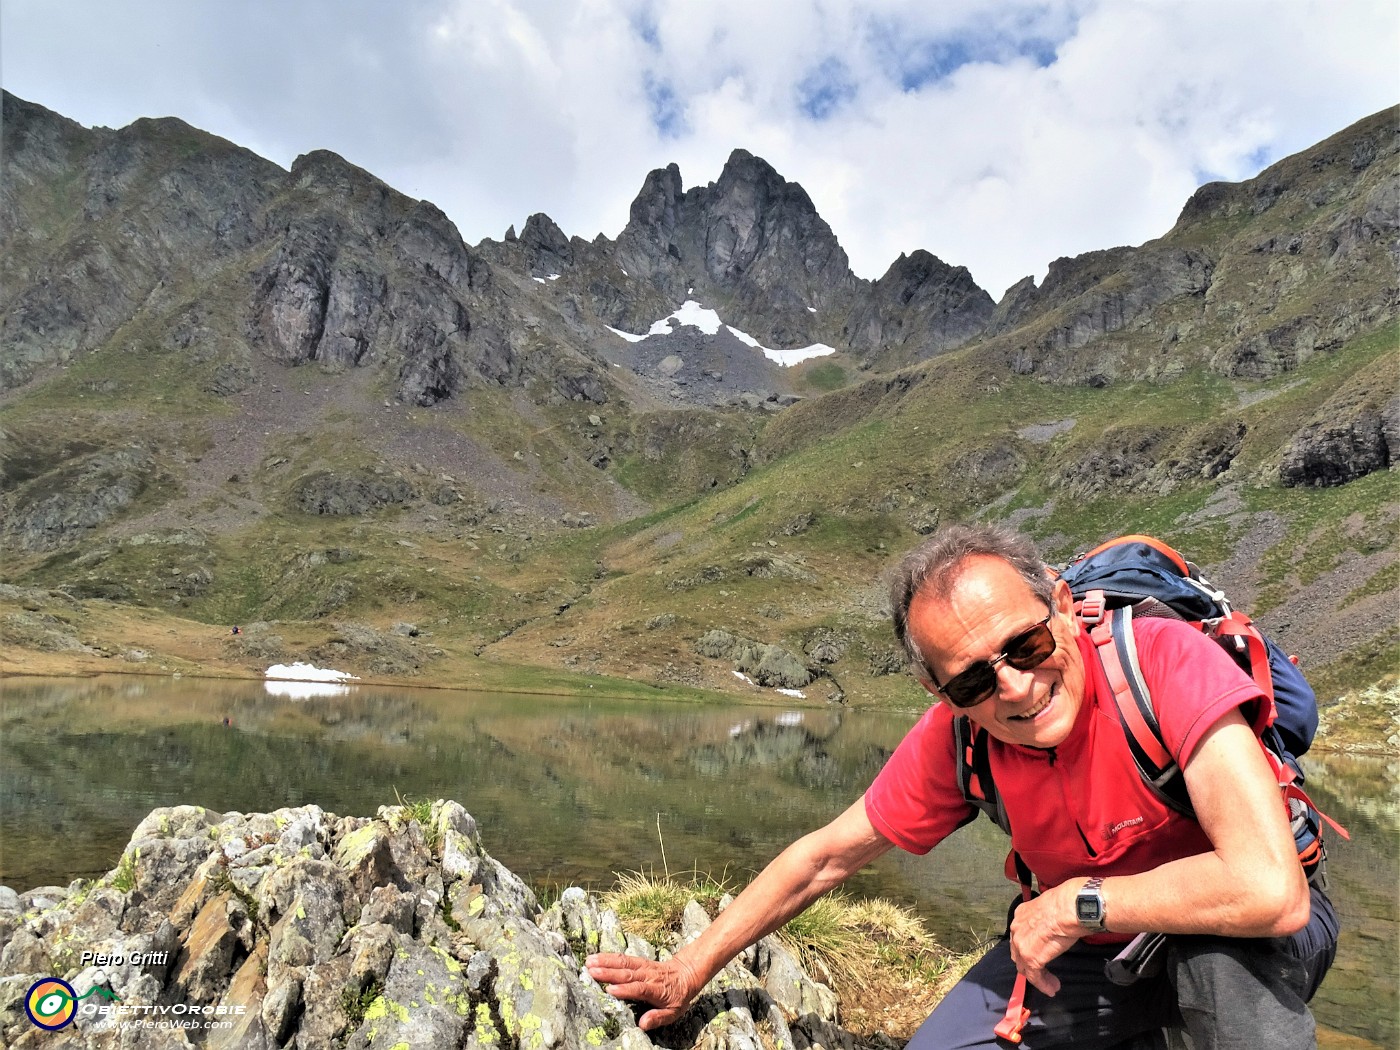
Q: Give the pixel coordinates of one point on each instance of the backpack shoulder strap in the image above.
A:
(1117, 648)
(975, 771)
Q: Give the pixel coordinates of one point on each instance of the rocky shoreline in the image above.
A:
(301, 929)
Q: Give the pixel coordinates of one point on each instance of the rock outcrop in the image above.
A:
(61, 506)
(765, 664)
(1356, 432)
(303, 929)
(921, 307)
(147, 202)
(350, 492)
(751, 239)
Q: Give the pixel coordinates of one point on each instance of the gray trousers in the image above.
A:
(1214, 993)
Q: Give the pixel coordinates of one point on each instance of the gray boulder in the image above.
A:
(266, 923)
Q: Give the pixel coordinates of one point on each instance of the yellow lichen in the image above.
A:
(531, 1037)
(355, 846)
(486, 1028)
(453, 966)
(383, 1007)
(508, 1017)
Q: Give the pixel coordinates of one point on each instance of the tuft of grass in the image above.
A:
(421, 811)
(859, 947)
(650, 905)
(356, 1004)
(445, 910)
(124, 878)
(547, 891)
(860, 944)
(222, 882)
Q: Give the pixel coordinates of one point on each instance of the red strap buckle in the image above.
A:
(1009, 1027)
(1092, 606)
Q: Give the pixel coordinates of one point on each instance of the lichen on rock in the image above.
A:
(303, 929)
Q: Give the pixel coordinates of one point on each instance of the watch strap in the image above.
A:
(1090, 890)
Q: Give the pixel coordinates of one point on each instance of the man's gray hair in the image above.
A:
(935, 565)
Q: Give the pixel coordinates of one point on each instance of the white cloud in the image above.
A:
(998, 135)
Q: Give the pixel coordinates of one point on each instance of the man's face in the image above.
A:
(988, 606)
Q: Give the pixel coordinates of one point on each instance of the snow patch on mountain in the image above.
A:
(692, 314)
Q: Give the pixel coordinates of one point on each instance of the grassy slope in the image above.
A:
(788, 552)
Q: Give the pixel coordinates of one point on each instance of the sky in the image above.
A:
(997, 134)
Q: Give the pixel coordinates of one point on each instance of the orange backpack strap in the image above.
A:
(1117, 648)
(1017, 1014)
(1238, 630)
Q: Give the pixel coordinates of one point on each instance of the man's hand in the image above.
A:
(1040, 933)
(811, 866)
(670, 985)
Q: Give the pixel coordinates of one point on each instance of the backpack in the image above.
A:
(1135, 576)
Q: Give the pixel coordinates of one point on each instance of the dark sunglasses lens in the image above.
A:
(1025, 652)
(972, 686)
(1031, 649)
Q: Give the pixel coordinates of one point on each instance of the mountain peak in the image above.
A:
(547, 248)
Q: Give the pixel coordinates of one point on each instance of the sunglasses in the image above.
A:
(1025, 652)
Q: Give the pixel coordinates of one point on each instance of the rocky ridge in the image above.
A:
(192, 337)
(302, 929)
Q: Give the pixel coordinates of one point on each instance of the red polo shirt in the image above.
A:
(1080, 807)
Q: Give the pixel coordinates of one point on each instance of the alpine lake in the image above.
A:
(571, 791)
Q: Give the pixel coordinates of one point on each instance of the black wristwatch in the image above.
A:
(1089, 906)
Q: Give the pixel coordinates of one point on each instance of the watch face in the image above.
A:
(1087, 908)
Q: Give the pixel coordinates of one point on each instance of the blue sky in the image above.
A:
(998, 135)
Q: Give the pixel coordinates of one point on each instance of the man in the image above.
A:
(993, 634)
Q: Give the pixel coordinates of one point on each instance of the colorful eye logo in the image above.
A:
(51, 1003)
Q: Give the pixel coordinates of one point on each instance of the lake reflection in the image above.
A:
(568, 791)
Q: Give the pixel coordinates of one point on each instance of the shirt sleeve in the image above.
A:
(1193, 682)
(915, 801)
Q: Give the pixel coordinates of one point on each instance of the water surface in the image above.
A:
(569, 791)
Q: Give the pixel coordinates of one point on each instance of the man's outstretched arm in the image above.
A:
(799, 875)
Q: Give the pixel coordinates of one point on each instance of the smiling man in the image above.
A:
(993, 635)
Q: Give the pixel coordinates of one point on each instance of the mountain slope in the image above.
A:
(234, 393)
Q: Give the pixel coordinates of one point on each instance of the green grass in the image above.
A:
(1387, 581)
(651, 906)
(354, 1005)
(421, 812)
(856, 945)
(1296, 396)
(124, 877)
(1374, 664)
(825, 377)
(1324, 526)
